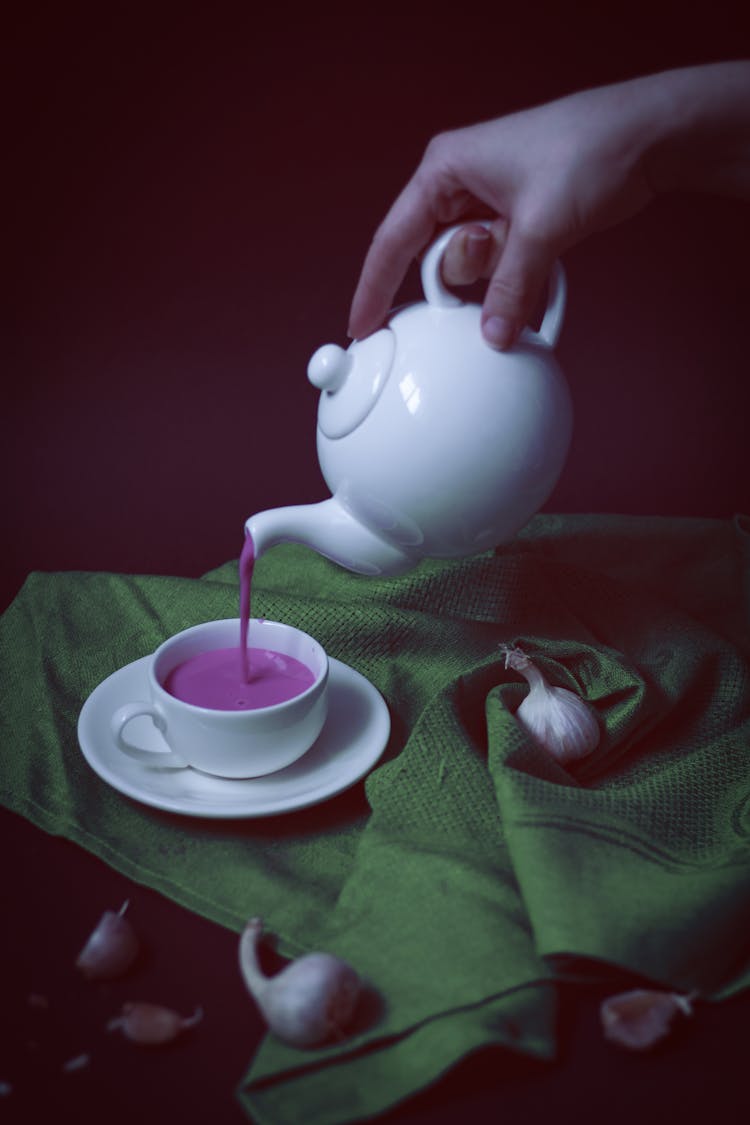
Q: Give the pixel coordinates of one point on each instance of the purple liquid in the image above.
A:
(213, 679)
(247, 563)
(239, 679)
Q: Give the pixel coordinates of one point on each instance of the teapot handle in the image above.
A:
(436, 293)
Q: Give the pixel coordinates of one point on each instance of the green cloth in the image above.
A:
(468, 872)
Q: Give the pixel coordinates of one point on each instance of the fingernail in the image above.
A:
(478, 234)
(498, 332)
(477, 241)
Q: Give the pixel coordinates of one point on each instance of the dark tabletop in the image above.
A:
(191, 203)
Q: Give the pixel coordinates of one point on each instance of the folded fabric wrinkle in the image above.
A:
(467, 869)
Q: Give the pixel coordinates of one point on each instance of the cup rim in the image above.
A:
(316, 687)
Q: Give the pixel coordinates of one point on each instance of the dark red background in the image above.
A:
(190, 191)
(192, 195)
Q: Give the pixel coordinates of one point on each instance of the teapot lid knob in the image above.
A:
(351, 381)
(329, 367)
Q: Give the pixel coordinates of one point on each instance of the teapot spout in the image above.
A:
(331, 530)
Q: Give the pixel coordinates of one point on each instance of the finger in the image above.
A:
(473, 253)
(406, 229)
(514, 288)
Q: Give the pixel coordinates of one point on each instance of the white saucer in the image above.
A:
(354, 737)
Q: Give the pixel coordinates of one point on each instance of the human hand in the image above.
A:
(547, 177)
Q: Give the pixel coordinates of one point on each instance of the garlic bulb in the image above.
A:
(309, 1001)
(640, 1018)
(557, 719)
(111, 947)
(152, 1025)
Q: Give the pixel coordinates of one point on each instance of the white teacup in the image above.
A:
(243, 743)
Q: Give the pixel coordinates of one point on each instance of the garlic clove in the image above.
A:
(641, 1018)
(310, 1001)
(152, 1025)
(111, 947)
(557, 719)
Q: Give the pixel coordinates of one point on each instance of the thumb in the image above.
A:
(514, 289)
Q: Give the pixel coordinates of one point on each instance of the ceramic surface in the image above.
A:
(354, 737)
(432, 443)
(246, 743)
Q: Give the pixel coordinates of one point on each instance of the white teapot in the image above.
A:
(432, 443)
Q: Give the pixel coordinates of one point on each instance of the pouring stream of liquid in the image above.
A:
(247, 563)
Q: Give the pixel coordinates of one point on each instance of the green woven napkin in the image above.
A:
(469, 872)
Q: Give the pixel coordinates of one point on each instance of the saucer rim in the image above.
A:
(366, 758)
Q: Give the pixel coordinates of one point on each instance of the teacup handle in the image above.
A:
(124, 715)
(436, 292)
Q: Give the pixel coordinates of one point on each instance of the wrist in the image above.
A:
(699, 129)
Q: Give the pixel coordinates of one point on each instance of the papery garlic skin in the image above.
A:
(561, 723)
(111, 948)
(556, 718)
(152, 1025)
(310, 1001)
(642, 1017)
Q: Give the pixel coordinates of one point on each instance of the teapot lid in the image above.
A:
(351, 381)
